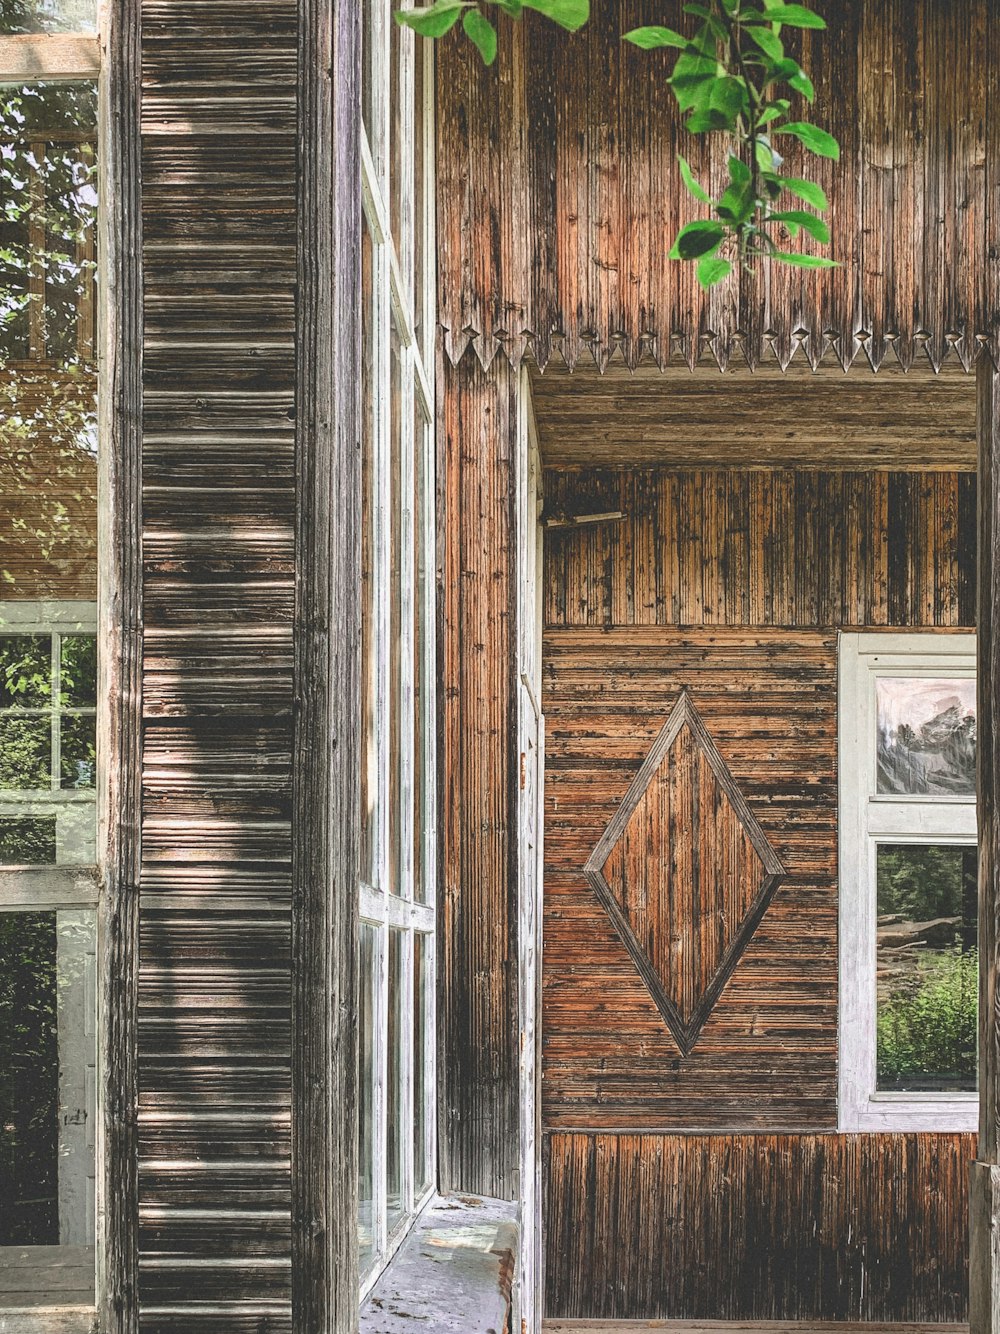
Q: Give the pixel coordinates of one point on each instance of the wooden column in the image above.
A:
(984, 1261)
(477, 918)
(326, 798)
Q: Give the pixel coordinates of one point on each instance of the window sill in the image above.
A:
(453, 1273)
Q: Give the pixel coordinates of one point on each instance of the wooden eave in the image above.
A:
(559, 196)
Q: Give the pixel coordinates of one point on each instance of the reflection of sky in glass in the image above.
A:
(917, 700)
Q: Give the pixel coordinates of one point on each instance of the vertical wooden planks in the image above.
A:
(326, 798)
(121, 685)
(477, 915)
(906, 88)
(782, 548)
(757, 1227)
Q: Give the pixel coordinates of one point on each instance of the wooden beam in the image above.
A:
(326, 798)
(120, 692)
(984, 1264)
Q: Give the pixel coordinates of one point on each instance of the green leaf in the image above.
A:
(770, 113)
(481, 32)
(707, 120)
(736, 204)
(691, 77)
(816, 140)
(434, 20)
(807, 190)
(687, 176)
(739, 172)
(650, 39)
(511, 7)
(697, 239)
(569, 14)
(816, 227)
(802, 83)
(794, 16)
(728, 95)
(768, 41)
(712, 270)
(804, 261)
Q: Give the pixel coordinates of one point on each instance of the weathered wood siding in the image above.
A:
(735, 548)
(559, 196)
(477, 913)
(763, 1227)
(729, 586)
(219, 159)
(763, 419)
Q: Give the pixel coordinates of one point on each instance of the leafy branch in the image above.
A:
(437, 19)
(734, 77)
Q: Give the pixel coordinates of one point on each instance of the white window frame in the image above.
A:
(69, 889)
(866, 819)
(56, 619)
(399, 294)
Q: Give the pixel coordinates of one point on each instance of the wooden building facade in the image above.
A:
(663, 518)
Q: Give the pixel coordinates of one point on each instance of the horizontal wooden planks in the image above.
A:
(767, 419)
(767, 1054)
(758, 1227)
(557, 240)
(731, 547)
(219, 367)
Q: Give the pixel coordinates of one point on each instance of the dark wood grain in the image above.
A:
(557, 238)
(793, 548)
(221, 459)
(758, 1227)
(120, 582)
(918, 421)
(477, 914)
(766, 1056)
(326, 796)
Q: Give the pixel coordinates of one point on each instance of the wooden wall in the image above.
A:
(219, 162)
(477, 916)
(768, 1227)
(558, 195)
(729, 586)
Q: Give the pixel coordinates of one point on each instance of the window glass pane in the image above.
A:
(394, 1169)
(423, 675)
(366, 1095)
(29, 1080)
(396, 595)
(926, 735)
(78, 671)
(25, 671)
(78, 750)
(421, 182)
(27, 840)
(369, 573)
(25, 753)
(421, 1064)
(927, 967)
(26, 16)
(47, 1100)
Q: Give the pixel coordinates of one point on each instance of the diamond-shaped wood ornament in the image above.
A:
(685, 872)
